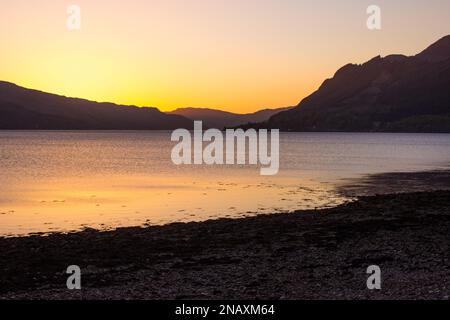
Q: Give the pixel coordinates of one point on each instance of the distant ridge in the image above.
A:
(220, 119)
(27, 109)
(391, 94)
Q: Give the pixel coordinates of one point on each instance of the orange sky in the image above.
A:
(233, 55)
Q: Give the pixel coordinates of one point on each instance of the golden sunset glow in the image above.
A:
(239, 56)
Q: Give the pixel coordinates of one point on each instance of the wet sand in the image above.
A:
(310, 254)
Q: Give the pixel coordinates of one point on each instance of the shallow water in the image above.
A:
(65, 181)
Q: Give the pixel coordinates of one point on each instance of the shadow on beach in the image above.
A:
(396, 182)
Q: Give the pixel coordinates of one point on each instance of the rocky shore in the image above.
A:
(314, 254)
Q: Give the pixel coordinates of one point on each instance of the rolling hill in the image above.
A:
(27, 109)
(220, 119)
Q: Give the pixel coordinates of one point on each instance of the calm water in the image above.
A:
(63, 181)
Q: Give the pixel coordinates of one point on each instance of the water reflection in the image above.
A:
(63, 181)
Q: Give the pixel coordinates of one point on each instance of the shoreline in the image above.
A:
(308, 254)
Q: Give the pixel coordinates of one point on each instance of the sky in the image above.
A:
(234, 55)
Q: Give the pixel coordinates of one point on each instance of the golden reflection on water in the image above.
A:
(55, 181)
(105, 202)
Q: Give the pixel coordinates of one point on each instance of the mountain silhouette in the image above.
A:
(27, 109)
(220, 119)
(391, 94)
